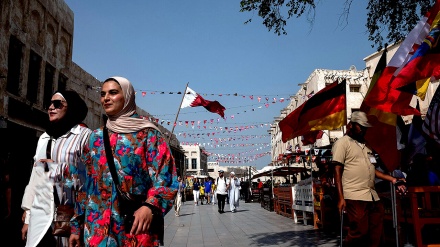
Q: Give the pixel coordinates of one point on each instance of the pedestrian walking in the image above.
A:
(245, 189)
(221, 191)
(179, 196)
(234, 192)
(208, 187)
(213, 191)
(196, 191)
(56, 161)
(202, 192)
(260, 190)
(355, 174)
(127, 160)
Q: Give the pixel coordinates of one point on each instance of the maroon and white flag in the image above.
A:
(193, 99)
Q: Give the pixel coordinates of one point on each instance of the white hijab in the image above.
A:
(122, 122)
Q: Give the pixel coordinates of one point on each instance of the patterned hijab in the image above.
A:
(122, 122)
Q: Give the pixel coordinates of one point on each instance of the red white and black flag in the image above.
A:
(431, 125)
(193, 99)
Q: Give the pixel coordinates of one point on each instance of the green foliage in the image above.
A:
(393, 19)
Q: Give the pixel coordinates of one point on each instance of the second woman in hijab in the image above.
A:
(63, 141)
(144, 165)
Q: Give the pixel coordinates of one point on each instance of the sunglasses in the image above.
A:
(57, 104)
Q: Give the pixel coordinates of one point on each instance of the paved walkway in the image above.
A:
(251, 226)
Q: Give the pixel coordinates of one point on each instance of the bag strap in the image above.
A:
(56, 198)
(111, 166)
(48, 153)
(109, 155)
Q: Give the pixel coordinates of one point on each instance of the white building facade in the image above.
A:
(196, 161)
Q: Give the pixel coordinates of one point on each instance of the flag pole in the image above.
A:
(346, 112)
(178, 111)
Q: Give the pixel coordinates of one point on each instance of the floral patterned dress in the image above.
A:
(145, 166)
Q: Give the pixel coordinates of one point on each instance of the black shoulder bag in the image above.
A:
(63, 213)
(129, 203)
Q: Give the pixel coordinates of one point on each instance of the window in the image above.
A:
(355, 88)
(62, 80)
(15, 54)
(193, 163)
(186, 164)
(33, 77)
(48, 84)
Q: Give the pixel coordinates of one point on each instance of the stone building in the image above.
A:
(36, 39)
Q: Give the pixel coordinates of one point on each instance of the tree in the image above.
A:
(393, 19)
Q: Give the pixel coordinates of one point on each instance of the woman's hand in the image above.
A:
(74, 240)
(46, 161)
(142, 220)
(24, 231)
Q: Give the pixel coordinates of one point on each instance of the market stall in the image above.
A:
(278, 198)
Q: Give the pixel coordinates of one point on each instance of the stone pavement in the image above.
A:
(252, 225)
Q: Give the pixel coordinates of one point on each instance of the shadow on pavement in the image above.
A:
(186, 214)
(297, 238)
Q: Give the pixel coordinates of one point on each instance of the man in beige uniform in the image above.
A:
(354, 176)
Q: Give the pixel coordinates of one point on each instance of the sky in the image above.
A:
(161, 46)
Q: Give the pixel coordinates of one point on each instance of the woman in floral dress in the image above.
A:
(144, 166)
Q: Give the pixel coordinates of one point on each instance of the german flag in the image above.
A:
(326, 110)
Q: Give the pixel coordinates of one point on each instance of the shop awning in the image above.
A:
(281, 172)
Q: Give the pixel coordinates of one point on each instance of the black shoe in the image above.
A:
(223, 211)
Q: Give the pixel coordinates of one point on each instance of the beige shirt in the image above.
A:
(359, 172)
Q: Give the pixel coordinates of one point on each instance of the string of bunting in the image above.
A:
(267, 97)
(226, 139)
(239, 159)
(212, 121)
(215, 145)
(203, 123)
(234, 155)
(219, 131)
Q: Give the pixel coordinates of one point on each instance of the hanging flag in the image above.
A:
(326, 110)
(386, 96)
(431, 125)
(192, 99)
(311, 137)
(382, 137)
(416, 142)
(424, 65)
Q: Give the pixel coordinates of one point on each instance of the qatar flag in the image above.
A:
(193, 99)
